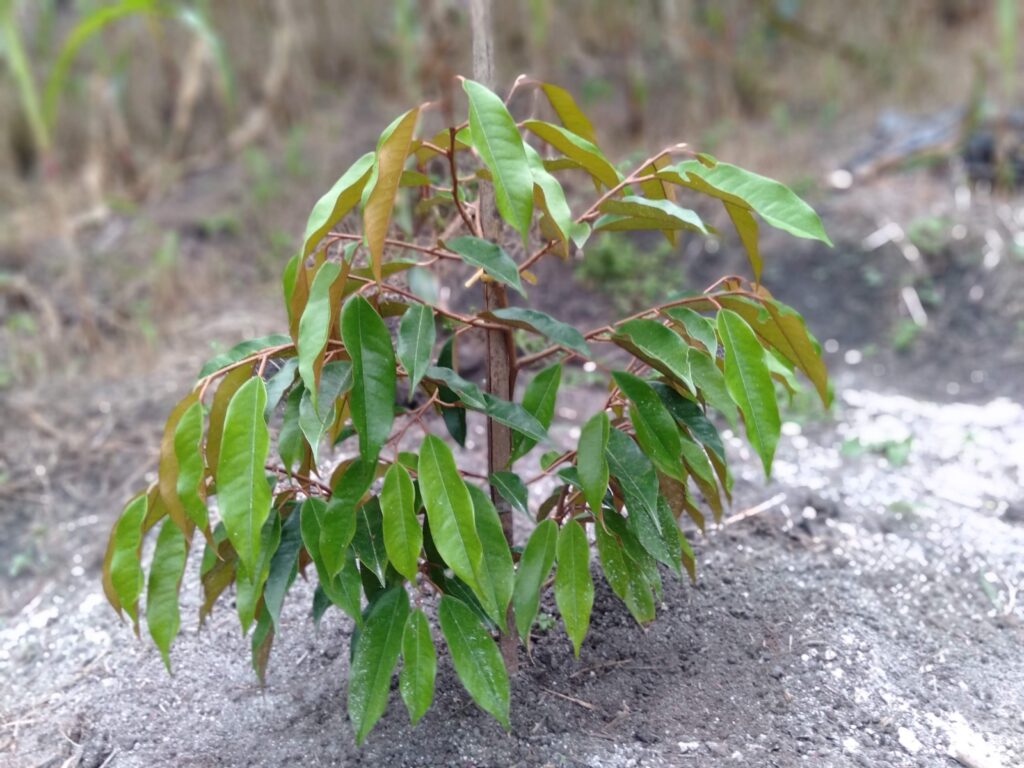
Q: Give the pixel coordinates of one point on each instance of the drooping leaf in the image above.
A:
(534, 566)
(393, 148)
(710, 382)
(342, 589)
(315, 420)
(624, 577)
(534, 320)
(190, 486)
(368, 539)
(666, 213)
(454, 416)
(280, 383)
(497, 139)
(165, 572)
(376, 653)
(512, 414)
(226, 390)
(496, 570)
(772, 201)
(416, 336)
(576, 148)
(475, 657)
(512, 489)
(336, 202)
(243, 495)
(591, 462)
(488, 256)
(123, 579)
(656, 430)
(750, 384)
(283, 566)
(746, 227)
(554, 204)
(419, 665)
(240, 351)
(700, 469)
(290, 440)
(638, 481)
(449, 510)
(574, 589)
(568, 112)
(657, 346)
(338, 520)
(403, 536)
(539, 401)
(249, 583)
(315, 327)
(373, 372)
(696, 326)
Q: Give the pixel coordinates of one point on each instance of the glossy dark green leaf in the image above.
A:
(290, 440)
(696, 326)
(534, 320)
(475, 657)
(403, 536)
(512, 489)
(165, 572)
(283, 566)
(450, 510)
(496, 570)
(656, 345)
(489, 257)
(624, 577)
(338, 521)
(576, 148)
(750, 384)
(315, 419)
(315, 325)
(512, 414)
(374, 659)
(372, 401)
(591, 461)
(574, 589)
(249, 583)
(539, 401)
(393, 148)
(534, 565)
(279, 383)
(336, 202)
(454, 417)
(500, 146)
(241, 351)
(368, 539)
(656, 430)
(190, 485)
(710, 383)
(419, 665)
(243, 496)
(416, 336)
(638, 481)
(772, 201)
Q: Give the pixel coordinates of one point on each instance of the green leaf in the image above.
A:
(190, 485)
(591, 462)
(454, 417)
(343, 589)
(475, 657)
(539, 401)
(534, 566)
(419, 665)
(710, 383)
(553, 201)
(241, 351)
(416, 336)
(392, 150)
(449, 510)
(290, 440)
(665, 212)
(316, 420)
(699, 465)
(568, 112)
(488, 256)
(574, 589)
(315, 325)
(639, 484)
(772, 201)
(497, 139)
(368, 539)
(750, 384)
(338, 201)
(624, 576)
(576, 148)
(496, 570)
(374, 659)
(373, 368)
(283, 566)
(338, 522)
(512, 489)
(512, 414)
(403, 536)
(656, 430)
(534, 320)
(657, 346)
(746, 227)
(165, 572)
(279, 383)
(697, 326)
(243, 495)
(249, 583)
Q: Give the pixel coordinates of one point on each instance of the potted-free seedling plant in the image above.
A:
(405, 534)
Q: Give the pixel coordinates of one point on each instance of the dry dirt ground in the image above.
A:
(861, 609)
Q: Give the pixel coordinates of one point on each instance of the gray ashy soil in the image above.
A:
(868, 616)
